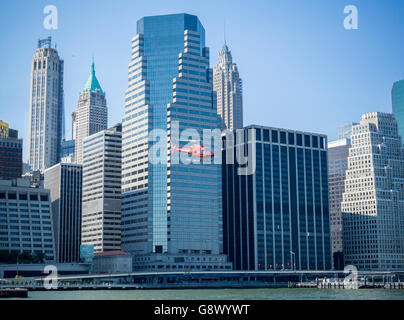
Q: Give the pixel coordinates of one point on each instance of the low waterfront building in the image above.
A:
(64, 181)
(181, 262)
(25, 220)
(10, 270)
(112, 262)
(276, 216)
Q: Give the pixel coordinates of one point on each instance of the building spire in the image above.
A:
(92, 83)
(224, 32)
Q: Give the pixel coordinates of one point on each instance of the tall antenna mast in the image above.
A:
(224, 31)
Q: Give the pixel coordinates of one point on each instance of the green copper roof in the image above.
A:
(92, 83)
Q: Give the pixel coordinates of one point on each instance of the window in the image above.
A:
(321, 142)
(274, 136)
(299, 139)
(291, 138)
(314, 141)
(33, 197)
(283, 137)
(258, 134)
(266, 135)
(12, 196)
(306, 140)
(22, 196)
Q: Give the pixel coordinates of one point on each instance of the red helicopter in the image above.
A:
(196, 150)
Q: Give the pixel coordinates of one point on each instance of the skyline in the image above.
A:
(145, 205)
(312, 63)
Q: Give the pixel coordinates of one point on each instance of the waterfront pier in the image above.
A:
(211, 279)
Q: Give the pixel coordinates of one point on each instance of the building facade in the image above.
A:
(345, 131)
(91, 115)
(228, 87)
(397, 99)
(171, 212)
(337, 165)
(101, 216)
(10, 154)
(25, 219)
(67, 151)
(64, 181)
(46, 107)
(112, 262)
(373, 201)
(276, 216)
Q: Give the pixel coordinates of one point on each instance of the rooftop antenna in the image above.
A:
(224, 31)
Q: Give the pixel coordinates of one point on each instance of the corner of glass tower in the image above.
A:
(169, 23)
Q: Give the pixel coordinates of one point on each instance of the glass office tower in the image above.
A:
(397, 98)
(171, 212)
(64, 181)
(338, 152)
(277, 217)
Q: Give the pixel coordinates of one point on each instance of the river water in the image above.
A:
(222, 294)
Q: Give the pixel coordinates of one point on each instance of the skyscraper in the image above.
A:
(337, 165)
(373, 201)
(10, 153)
(397, 99)
(64, 180)
(74, 125)
(67, 151)
(345, 131)
(228, 87)
(91, 114)
(46, 107)
(277, 217)
(101, 216)
(171, 212)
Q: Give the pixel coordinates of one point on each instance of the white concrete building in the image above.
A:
(228, 87)
(26, 223)
(91, 115)
(373, 201)
(112, 262)
(101, 216)
(46, 107)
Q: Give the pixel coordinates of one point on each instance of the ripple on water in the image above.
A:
(222, 294)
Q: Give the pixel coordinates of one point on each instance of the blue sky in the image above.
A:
(300, 68)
